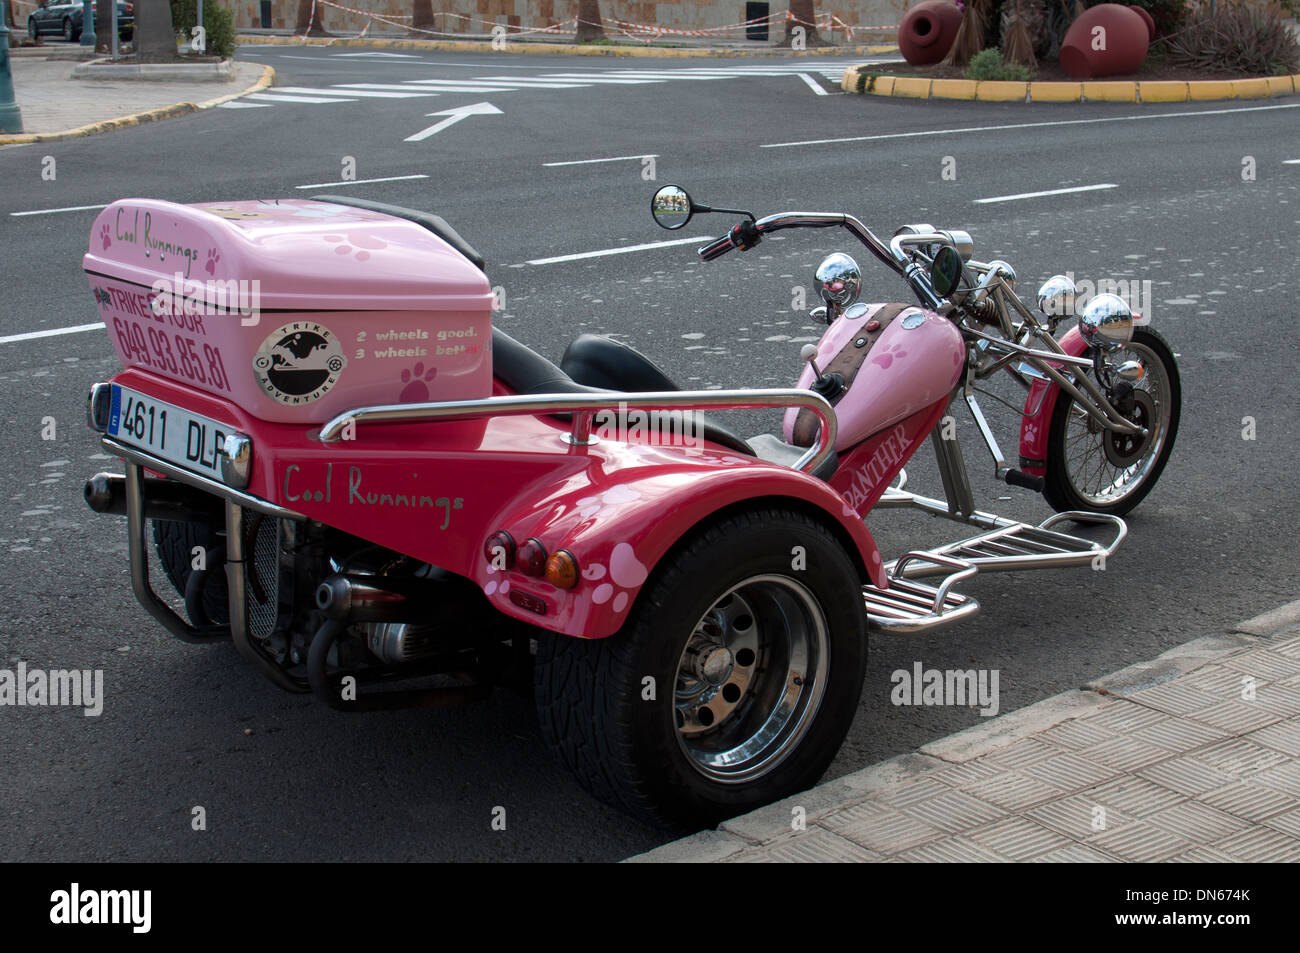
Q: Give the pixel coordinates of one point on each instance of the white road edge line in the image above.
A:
(617, 251)
(51, 211)
(53, 332)
(330, 185)
(1024, 125)
(815, 86)
(648, 155)
(1291, 161)
(1039, 195)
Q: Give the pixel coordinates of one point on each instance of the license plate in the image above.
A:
(177, 435)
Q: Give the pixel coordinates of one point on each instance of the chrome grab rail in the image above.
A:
(584, 406)
(961, 570)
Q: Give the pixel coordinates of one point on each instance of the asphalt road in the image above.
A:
(281, 778)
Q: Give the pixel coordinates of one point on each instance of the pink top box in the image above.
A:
(295, 310)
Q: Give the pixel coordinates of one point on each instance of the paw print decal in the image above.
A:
(888, 355)
(1029, 436)
(416, 380)
(363, 241)
(106, 236)
(213, 257)
(625, 572)
(589, 506)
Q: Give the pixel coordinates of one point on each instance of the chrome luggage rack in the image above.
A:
(907, 607)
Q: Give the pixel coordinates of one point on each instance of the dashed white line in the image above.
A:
(51, 211)
(1023, 125)
(1039, 195)
(648, 155)
(358, 89)
(617, 251)
(281, 98)
(815, 86)
(1291, 161)
(330, 185)
(53, 332)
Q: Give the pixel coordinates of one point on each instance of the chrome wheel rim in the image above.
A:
(751, 678)
(1091, 451)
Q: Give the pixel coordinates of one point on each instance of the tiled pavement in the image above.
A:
(1192, 757)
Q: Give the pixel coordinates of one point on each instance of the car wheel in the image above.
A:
(32, 30)
(69, 33)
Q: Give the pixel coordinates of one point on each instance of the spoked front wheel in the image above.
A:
(1095, 469)
(731, 684)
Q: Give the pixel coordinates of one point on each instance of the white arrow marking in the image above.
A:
(454, 116)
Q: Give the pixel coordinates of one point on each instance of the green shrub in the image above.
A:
(216, 21)
(987, 64)
(1235, 38)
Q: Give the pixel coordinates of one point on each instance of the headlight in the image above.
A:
(1106, 322)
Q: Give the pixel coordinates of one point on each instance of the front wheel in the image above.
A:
(1095, 469)
(33, 31)
(70, 33)
(731, 684)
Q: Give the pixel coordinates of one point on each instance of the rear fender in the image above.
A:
(1039, 405)
(619, 527)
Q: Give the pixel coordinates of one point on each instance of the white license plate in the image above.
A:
(184, 438)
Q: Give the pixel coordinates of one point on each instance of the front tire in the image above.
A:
(731, 684)
(33, 31)
(1091, 468)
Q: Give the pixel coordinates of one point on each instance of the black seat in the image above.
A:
(604, 362)
(525, 371)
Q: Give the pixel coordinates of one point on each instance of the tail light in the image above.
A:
(499, 550)
(562, 570)
(532, 558)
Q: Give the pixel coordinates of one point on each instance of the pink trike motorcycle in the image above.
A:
(381, 499)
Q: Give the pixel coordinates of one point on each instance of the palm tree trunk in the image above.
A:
(970, 34)
(309, 19)
(421, 16)
(591, 26)
(104, 25)
(155, 37)
(803, 15)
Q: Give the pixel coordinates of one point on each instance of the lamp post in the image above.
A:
(88, 23)
(11, 120)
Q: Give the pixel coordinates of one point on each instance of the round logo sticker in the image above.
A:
(299, 362)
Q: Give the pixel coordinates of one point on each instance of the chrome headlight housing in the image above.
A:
(1106, 322)
(1056, 296)
(839, 280)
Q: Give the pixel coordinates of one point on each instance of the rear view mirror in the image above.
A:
(945, 271)
(671, 207)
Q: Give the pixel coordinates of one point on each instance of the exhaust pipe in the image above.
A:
(163, 499)
(353, 598)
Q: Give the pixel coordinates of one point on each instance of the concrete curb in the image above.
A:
(566, 49)
(135, 119)
(768, 823)
(868, 79)
(105, 69)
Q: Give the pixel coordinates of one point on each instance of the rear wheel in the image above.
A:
(1095, 469)
(70, 33)
(732, 683)
(32, 30)
(175, 542)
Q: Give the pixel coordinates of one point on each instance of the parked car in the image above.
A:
(64, 18)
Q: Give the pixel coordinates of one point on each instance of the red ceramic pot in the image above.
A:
(1107, 40)
(927, 31)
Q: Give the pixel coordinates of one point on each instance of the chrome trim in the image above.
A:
(97, 396)
(1106, 322)
(139, 458)
(546, 404)
(236, 458)
(1000, 467)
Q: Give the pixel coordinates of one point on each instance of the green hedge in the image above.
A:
(217, 22)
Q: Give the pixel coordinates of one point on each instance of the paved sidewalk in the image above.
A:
(57, 105)
(1194, 756)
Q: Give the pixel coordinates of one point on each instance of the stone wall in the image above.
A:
(479, 16)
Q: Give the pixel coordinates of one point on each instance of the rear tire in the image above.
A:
(69, 33)
(756, 669)
(33, 32)
(175, 542)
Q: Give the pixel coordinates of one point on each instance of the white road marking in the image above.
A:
(377, 55)
(53, 332)
(239, 104)
(1024, 125)
(358, 89)
(454, 116)
(391, 178)
(1038, 195)
(815, 86)
(51, 211)
(274, 98)
(453, 86)
(617, 251)
(648, 155)
(1291, 161)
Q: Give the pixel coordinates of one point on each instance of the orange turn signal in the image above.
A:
(562, 570)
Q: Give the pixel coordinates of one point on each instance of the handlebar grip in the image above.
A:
(717, 248)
